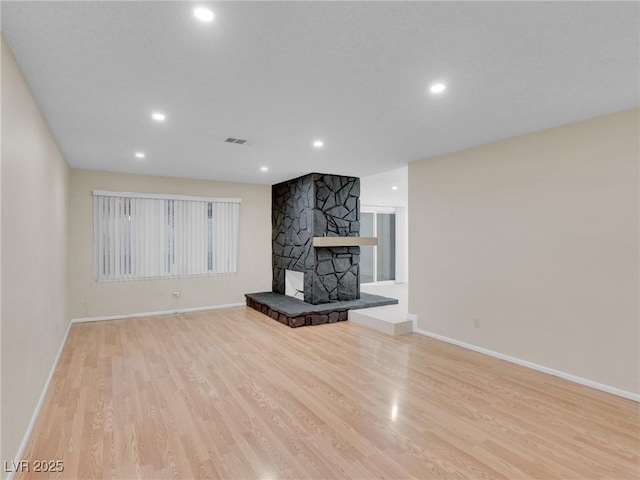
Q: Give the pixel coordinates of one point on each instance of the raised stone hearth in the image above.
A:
(296, 313)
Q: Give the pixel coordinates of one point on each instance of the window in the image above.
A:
(378, 264)
(140, 236)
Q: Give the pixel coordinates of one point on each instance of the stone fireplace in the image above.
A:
(317, 205)
(315, 253)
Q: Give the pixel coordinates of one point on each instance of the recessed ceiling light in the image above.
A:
(264, 169)
(318, 143)
(139, 154)
(437, 88)
(203, 14)
(394, 188)
(158, 116)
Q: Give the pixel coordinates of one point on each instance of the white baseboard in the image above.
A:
(36, 411)
(153, 314)
(518, 361)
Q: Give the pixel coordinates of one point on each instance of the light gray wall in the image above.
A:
(537, 237)
(34, 177)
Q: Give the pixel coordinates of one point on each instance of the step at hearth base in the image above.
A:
(296, 313)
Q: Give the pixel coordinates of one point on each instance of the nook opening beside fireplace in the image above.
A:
(294, 284)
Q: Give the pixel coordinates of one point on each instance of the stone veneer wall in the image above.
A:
(317, 205)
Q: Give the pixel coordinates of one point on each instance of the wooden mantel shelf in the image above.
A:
(344, 241)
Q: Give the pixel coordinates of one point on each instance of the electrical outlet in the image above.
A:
(176, 294)
(476, 323)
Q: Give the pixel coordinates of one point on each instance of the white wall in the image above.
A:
(377, 190)
(402, 245)
(34, 254)
(537, 237)
(88, 298)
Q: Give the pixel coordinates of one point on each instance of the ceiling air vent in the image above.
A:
(239, 141)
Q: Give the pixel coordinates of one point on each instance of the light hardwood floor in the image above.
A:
(234, 394)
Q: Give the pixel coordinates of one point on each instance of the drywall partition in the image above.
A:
(91, 299)
(535, 239)
(34, 255)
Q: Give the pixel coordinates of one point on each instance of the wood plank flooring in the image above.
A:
(233, 394)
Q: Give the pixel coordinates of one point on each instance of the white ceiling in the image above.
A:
(281, 74)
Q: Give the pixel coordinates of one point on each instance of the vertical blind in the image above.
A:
(153, 236)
